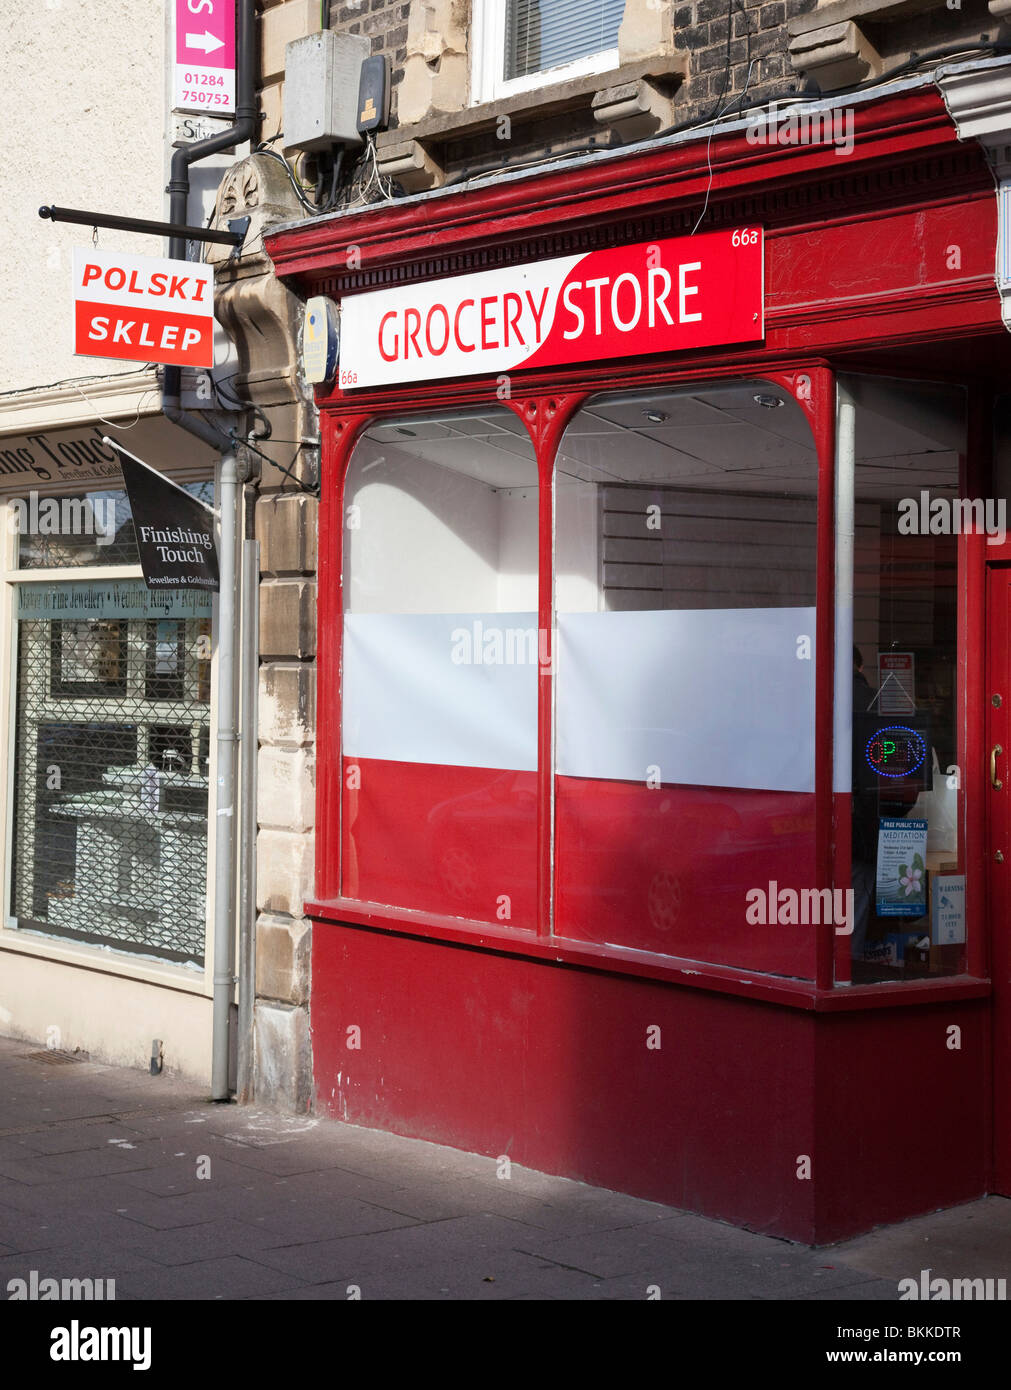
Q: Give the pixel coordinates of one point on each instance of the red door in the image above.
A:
(998, 752)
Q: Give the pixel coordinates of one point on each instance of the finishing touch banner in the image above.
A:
(175, 532)
(669, 295)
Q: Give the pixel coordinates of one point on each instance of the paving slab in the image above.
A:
(973, 1240)
(231, 1276)
(181, 1245)
(107, 1173)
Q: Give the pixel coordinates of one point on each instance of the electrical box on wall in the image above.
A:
(374, 95)
(321, 79)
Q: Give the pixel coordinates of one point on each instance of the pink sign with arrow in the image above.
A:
(204, 78)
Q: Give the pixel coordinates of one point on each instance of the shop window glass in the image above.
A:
(74, 530)
(111, 778)
(440, 655)
(685, 679)
(111, 750)
(904, 760)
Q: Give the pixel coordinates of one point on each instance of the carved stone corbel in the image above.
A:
(260, 314)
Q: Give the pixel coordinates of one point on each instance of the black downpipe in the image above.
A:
(243, 129)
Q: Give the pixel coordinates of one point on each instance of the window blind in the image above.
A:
(542, 34)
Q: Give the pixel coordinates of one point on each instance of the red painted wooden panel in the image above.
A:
(901, 1116)
(549, 1065)
(851, 263)
(449, 840)
(668, 869)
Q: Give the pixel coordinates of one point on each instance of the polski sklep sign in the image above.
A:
(175, 532)
(669, 295)
(143, 308)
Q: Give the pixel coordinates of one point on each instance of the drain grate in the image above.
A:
(55, 1058)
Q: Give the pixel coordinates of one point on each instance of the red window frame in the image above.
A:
(546, 414)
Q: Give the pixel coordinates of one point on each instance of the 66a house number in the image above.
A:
(744, 237)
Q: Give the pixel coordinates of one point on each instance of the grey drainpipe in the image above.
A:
(224, 839)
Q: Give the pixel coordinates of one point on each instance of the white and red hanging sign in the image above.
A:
(143, 308)
(204, 73)
(658, 296)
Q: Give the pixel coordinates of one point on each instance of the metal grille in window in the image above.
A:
(542, 34)
(111, 782)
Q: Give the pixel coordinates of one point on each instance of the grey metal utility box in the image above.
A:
(321, 77)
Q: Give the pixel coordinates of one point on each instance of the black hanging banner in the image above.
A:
(175, 532)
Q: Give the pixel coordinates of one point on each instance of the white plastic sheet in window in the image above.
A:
(456, 689)
(710, 697)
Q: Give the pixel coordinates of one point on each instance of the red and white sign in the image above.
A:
(657, 296)
(204, 77)
(143, 309)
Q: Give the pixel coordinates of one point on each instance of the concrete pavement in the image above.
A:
(113, 1174)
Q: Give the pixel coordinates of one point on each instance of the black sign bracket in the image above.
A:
(144, 225)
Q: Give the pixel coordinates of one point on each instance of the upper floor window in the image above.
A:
(523, 44)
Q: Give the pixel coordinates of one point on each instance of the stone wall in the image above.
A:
(264, 320)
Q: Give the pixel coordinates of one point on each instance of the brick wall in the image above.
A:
(758, 36)
(758, 41)
(385, 24)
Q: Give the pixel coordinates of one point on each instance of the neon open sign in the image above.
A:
(896, 751)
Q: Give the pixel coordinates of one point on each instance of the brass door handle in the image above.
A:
(995, 781)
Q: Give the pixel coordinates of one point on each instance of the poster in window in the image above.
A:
(901, 877)
(88, 658)
(165, 667)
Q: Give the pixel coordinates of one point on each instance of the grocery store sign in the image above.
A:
(659, 296)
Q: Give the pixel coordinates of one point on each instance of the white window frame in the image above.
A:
(488, 38)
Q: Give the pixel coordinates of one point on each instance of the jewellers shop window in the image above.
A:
(440, 658)
(685, 565)
(111, 694)
(898, 743)
(520, 45)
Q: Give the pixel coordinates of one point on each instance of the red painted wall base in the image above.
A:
(550, 1064)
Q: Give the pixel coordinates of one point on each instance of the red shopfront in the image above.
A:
(660, 669)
